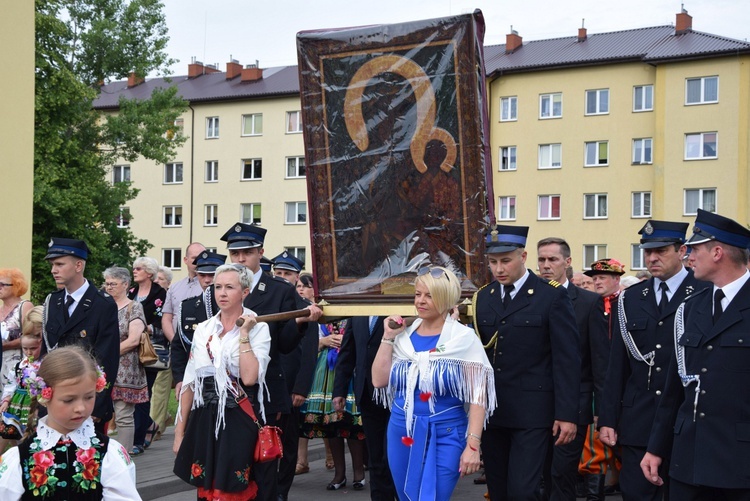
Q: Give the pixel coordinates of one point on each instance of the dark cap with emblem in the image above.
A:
(607, 266)
(207, 262)
(286, 261)
(59, 247)
(265, 264)
(709, 226)
(656, 234)
(244, 236)
(506, 238)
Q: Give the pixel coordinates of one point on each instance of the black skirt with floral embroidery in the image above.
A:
(220, 467)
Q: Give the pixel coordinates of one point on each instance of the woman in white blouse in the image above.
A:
(226, 363)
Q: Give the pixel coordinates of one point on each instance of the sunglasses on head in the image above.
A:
(434, 272)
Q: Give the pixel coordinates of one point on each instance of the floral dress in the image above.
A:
(20, 399)
(81, 465)
(130, 385)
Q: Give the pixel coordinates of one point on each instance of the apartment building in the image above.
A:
(591, 135)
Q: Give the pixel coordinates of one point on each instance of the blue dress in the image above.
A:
(439, 439)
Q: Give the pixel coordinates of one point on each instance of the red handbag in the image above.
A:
(268, 446)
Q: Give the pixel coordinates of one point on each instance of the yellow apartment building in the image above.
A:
(590, 135)
(593, 135)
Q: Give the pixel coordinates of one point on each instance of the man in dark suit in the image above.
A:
(269, 295)
(358, 349)
(78, 313)
(553, 256)
(528, 327)
(703, 418)
(641, 352)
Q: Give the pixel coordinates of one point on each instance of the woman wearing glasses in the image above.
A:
(130, 387)
(13, 285)
(427, 372)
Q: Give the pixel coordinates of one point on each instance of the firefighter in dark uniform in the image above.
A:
(528, 327)
(642, 346)
(703, 419)
(81, 314)
(269, 295)
(195, 310)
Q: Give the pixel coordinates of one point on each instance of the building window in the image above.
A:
(123, 218)
(643, 98)
(298, 252)
(508, 109)
(508, 158)
(250, 213)
(549, 207)
(212, 127)
(595, 206)
(597, 102)
(212, 171)
(295, 167)
(637, 262)
(252, 125)
(211, 215)
(252, 169)
(176, 129)
(641, 204)
(172, 216)
(592, 253)
(550, 105)
(120, 173)
(702, 90)
(550, 156)
(702, 198)
(597, 153)
(507, 206)
(173, 173)
(296, 213)
(642, 152)
(171, 258)
(293, 122)
(701, 145)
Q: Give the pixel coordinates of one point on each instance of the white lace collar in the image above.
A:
(81, 436)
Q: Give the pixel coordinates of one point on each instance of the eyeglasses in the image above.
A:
(3, 284)
(109, 285)
(137, 268)
(434, 272)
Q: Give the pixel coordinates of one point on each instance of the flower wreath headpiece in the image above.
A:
(38, 387)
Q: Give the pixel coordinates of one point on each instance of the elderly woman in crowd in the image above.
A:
(164, 277)
(13, 285)
(130, 387)
(151, 297)
(427, 373)
(215, 437)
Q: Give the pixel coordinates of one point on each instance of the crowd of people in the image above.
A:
(560, 381)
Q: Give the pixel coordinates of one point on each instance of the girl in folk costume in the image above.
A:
(427, 373)
(65, 458)
(215, 437)
(18, 405)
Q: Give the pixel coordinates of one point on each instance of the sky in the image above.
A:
(212, 31)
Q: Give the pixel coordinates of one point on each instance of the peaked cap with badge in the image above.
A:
(709, 226)
(244, 236)
(655, 234)
(60, 247)
(505, 238)
(207, 262)
(286, 261)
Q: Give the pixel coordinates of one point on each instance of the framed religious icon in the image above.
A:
(396, 140)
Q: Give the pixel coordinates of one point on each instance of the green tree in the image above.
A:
(80, 46)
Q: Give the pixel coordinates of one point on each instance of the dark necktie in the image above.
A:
(718, 310)
(373, 321)
(663, 287)
(507, 289)
(68, 301)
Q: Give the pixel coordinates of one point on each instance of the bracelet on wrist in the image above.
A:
(387, 341)
(476, 437)
(244, 340)
(247, 350)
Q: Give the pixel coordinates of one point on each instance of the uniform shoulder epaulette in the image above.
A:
(554, 283)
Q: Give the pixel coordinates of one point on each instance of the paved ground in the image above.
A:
(157, 482)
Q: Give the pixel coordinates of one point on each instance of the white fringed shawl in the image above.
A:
(458, 363)
(225, 367)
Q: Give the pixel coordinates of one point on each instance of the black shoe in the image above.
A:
(611, 490)
(358, 485)
(335, 487)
